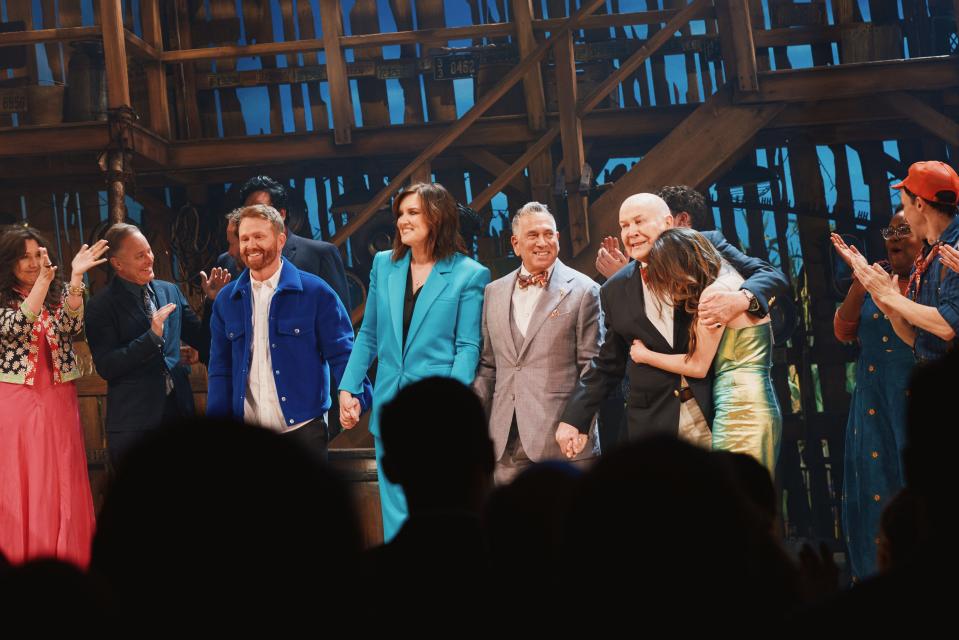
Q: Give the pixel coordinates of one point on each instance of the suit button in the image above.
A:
(872, 368)
(676, 392)
(885, 338)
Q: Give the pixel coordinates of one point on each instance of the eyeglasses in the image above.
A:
(902, 231)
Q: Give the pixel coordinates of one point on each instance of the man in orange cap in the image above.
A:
(927, 316)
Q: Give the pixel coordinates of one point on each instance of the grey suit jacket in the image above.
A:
(564, 334)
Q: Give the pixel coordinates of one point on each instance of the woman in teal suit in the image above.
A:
(422, 318)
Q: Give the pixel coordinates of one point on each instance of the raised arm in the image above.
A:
(763, 280)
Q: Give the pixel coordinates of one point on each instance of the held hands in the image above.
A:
(571, 442)
(720, 307)
(88, 257)
(218, 279)
(609, 258)
(349, 410)
(156, 324)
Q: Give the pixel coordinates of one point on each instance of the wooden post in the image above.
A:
(179, 17)
(156, 73)
(533, 81)
(739, 49)
(338, 82)
(118, 96)
(571, 134)
(422, 173)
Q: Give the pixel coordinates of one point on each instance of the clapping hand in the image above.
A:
(349, 410)
(160, 316)
(219, 277)
(949, 256)
(609, 258)
(848, 252)
(88, 257)
(47, 271)
(877, 282)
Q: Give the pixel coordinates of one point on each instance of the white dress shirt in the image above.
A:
(525, 300)
(261, 405)
(660, 312)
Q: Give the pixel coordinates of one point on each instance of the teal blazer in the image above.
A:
(444, 335)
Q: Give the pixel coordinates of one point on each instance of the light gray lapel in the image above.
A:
(500, 311)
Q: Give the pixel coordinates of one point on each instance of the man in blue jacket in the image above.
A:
(278, 334)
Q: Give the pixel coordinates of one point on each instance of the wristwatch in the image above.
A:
(753, 302)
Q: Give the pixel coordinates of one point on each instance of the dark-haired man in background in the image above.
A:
(320, 258)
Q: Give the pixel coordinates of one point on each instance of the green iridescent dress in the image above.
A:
(747, 417)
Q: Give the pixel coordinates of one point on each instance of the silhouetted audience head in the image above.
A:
(219, 516)
(664, 525)
(525, 519)
(755, 482)
(436, 445)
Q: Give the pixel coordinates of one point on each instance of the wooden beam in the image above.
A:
(493, 165)
(339, 85)
(787, 36)
(739, 49)
(140, 48)
(155, 71)
(533, 81)
(627, 67)
(115, 54)
(457, 128)
(37, 36)
(855, 80)
(620, 19)
(118, 96)
(487, 194)
(920, 112)
(724, 128)
(243, 51)
(571, 136)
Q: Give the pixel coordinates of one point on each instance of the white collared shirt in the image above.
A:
(660, 312)
(525, 300)
(262, 405)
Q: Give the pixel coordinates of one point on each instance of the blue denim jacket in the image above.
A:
(311, 337)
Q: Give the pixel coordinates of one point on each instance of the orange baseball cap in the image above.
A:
(932, 180)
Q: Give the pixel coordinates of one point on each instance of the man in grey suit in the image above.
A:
(541, 327)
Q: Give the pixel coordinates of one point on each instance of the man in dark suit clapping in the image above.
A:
(134, 328)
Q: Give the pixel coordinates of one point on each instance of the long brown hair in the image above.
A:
(681, 264)
(13, 244)
(439, 207)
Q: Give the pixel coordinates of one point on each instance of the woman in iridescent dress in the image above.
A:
(682, 266)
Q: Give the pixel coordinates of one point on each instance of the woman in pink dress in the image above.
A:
(46, 509)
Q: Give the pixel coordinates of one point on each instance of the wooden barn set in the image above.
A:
(792, 116)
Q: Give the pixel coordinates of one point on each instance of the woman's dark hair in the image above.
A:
(13, 244)
(439, 207)
(681, 264)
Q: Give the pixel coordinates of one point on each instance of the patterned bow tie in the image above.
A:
(535, 279)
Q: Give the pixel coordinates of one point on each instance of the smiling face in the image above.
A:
(536, 241)
(642, 217)
(902, 252)
(260, 244)
(133, 260)
(27, 268)
(412, 223)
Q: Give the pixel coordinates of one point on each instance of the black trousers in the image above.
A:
(313, 437)
(119, 442)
